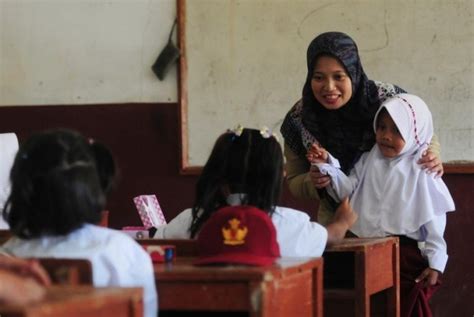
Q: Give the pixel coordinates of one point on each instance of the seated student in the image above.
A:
(8, 149)
(107, 170)
(394, 196)
(246, 168)
(55, 202)
(22, 281)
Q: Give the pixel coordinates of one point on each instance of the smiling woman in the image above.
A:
(331, 84)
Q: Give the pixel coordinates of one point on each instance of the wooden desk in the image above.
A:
(291, 287)
(80, 301)
(357, 268)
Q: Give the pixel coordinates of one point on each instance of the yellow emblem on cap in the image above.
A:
(234, 235)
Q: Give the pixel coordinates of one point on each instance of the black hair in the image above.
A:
(249, 164)
(105, 164)
(55, 187)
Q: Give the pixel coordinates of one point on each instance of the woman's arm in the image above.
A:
(298, 176)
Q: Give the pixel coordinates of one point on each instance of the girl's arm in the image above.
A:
(298, 176)
(341, 184)
(16, 289)
(435, 249)
(342, 221)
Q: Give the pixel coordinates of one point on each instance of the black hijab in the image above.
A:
(345, 132)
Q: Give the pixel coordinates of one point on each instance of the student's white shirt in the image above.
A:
(374, 222)
(8, 150)
(297, 236)
(117, 260)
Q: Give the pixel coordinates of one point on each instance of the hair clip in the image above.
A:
(266, 133)
(237, 131)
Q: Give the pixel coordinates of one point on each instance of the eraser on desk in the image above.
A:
(161, 253)
(149, 210)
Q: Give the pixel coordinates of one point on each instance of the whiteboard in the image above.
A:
(246, 61)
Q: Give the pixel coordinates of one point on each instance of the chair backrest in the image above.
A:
(68, 271)
(184, 247)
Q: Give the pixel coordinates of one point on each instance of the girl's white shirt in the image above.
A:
(395, 196)
(297, 236)
(117, 259)
(8, 150)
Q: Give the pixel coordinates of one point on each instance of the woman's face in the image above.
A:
(331, 84)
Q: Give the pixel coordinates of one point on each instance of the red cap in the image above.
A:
(238, 235)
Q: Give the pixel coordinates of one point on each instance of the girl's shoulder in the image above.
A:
(289, 214)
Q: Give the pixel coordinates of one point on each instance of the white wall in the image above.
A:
(84, 51)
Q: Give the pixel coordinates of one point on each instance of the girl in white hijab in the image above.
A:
(394, 196)
(8, 149)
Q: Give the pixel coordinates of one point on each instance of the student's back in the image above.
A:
(55, 202)
(246, 168)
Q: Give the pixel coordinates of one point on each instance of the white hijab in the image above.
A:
(8, 149)
(395, 195)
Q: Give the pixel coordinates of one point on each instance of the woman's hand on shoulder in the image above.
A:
(431, 163)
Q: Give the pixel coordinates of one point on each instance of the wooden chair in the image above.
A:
(184, 247)
(68, 271)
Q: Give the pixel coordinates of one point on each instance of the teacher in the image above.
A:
(336, 111)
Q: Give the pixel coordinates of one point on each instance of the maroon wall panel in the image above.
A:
(143, 138)
(456, 296)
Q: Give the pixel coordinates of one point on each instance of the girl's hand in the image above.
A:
(431, 163)
(428, 277)
(26, 268)
(16, 289)
(318, 179)
(317, 154)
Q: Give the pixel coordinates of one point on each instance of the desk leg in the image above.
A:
(362, 298)
(318, 291)
(393, 294)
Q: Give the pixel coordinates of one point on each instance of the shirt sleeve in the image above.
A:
(178, 228)
(435, 249)
(297, 176)
(341, 185)
(298, 236)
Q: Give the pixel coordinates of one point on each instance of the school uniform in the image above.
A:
(117, 260)
(394, 196)
(297, 236)
(8, 149)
